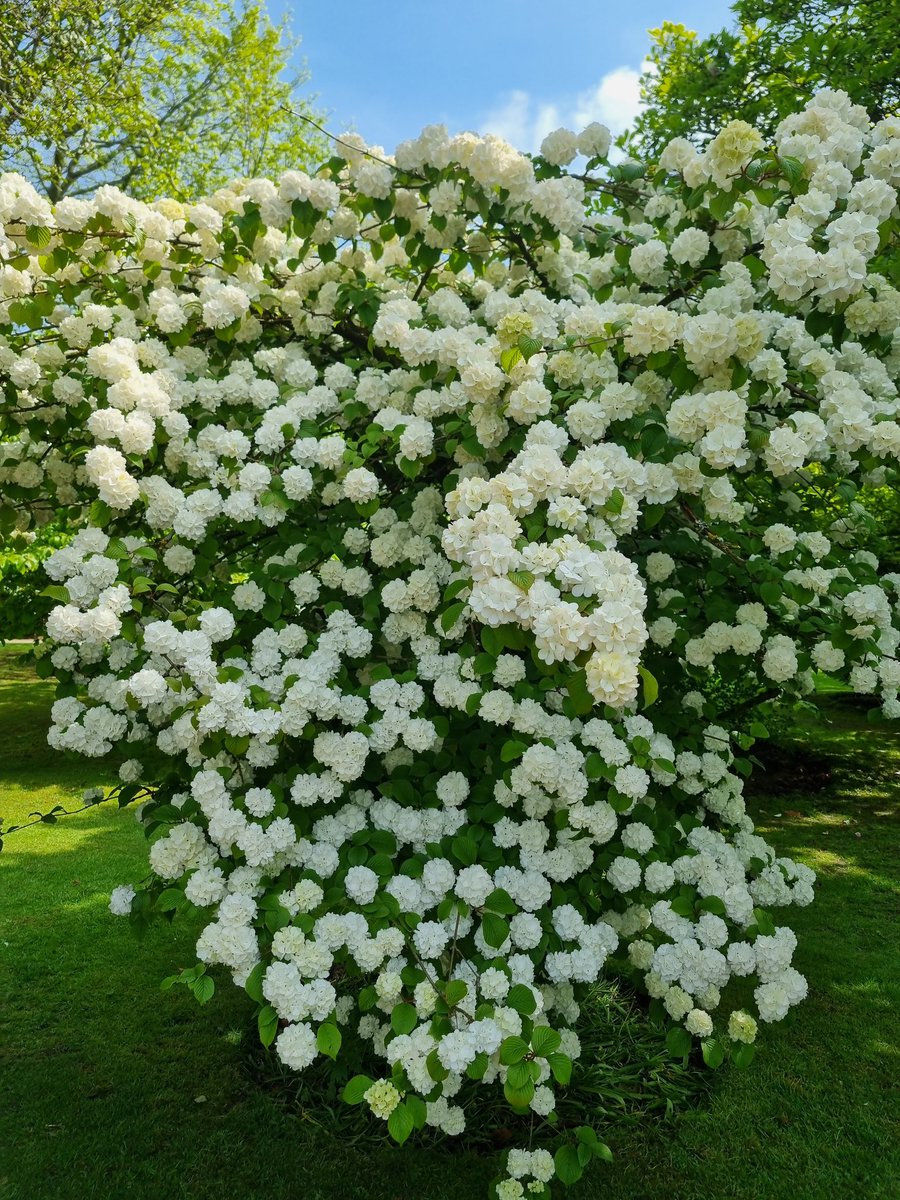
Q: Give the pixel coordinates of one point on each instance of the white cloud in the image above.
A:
(524, 120)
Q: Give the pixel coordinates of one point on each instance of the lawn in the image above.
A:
(111, 1088)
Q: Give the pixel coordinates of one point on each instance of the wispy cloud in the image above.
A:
(524, 120)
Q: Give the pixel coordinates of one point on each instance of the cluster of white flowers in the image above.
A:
(429, 507)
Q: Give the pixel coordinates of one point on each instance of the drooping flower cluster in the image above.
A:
(438, 506)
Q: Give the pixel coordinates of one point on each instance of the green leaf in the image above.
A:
(355, 1090)
(479, 1065)
(764, 922)
(719, 205)
(495, 929)
(169, 900)
(654, 439)
(521, 998)
(500, 901)
(568, 1165)
(742, 1055)
(38, 235)
(456, 990)
(451, 615)
(465, 850)
(649, 687)
(594, 766)
(253, 986)
(545, 1040)
(56, 592)
(561, 1066)
(582, 700)
(678, 1041)
(492, 640)
(522, 579)
(519, 1098)
(404, 1018)
(401, 1124)
(454, 588)
(417, 1108)
(267, 1023)
(512, 750)
(512, 1050)
(792, 168)
(518, 1075)
(713, 1053)
(587, 1136)
(616, 501)
(204, 988)
(328, 1039)
(435, 1067)
(509, 358)
(529, 346)
(771, 593)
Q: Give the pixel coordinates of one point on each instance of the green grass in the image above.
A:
(111, 1088)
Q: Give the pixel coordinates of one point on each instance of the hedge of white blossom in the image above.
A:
(439, 508)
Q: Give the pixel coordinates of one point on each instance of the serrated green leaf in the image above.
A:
(169, 899)
(522, 579)
(204, 988)
(545, 1040)
(529, 346)
(38, 235)
(713, 1053)
(521, 998)
(512, 1050)
(519, 1098)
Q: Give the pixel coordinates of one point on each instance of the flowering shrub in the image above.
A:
(435, 504)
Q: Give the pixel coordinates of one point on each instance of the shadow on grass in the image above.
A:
(110, 1088)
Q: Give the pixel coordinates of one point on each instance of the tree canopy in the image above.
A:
(173, 97)
(778, 54)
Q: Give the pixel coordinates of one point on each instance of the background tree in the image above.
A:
(159, 97)
(777, 55)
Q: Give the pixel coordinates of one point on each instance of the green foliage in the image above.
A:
(162, 97)
(22, 609)
(774, 58)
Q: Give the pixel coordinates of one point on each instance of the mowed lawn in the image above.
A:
(111, 1088)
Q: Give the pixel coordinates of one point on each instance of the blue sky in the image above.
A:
(514, 67)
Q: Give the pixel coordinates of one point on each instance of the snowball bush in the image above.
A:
(438, 507)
